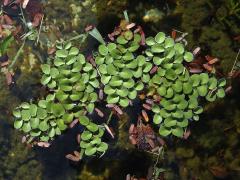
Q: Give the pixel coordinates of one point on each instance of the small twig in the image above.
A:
(24, 20)
(126, 15)
(78, 37)
(39, 31)
(235, 61)
(109, 117)
(17, 55)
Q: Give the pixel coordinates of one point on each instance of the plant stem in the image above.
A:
(17, 55)
(235, 61)
(109, 117)
(39, 31)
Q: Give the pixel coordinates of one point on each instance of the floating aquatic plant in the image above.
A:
(123, 67)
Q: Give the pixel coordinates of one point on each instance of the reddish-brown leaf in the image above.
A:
(145, 116)
(218, 171)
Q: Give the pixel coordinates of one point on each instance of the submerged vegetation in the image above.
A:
(132, 86)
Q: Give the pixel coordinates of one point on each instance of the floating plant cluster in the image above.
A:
(124, 67)
(179, 90)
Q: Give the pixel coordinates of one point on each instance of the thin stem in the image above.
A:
(39, 31)
(126, 15)
(17, 55)
(24, 20)
(109, 117)
(77, 37)
(235, 61)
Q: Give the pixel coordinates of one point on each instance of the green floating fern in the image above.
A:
(180, 91)
(123, 69)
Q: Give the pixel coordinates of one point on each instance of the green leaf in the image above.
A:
(61, 53)
(177, 86)
(90, 151)
(160, 37)
(57, 109)
(61, 125)
(109, 90)
(84, 120)
(169, 122)
(45, 79)
(26, 127)
(212, 83)
(179, 48)
(139, 86)
(162, 90)
(220, 93)
(157, 119)
(99, 60)
(123, 92)
(193, 103)
(58, 62)
(150, 41)
(18, 124)
(87, 67)
(170, 74)
(68, 45)
(222, 82)
(54, 72)
(51, 133)
(42, 103)
(86, 135)
(157, 48)
(183, 104)
(95, 141)
(145, 78)
(73, 51)
(188, 114)
(43, 126)
(169, 42)
(90, 107)
(102, 147)
(188, 56)
(126, 74)
(115, 82)
(103, 69)
(187, 88)
(124, 102)
(157, 60)
(132, 94)
(163, 131)
(121, 40)
(34, 122)
(33, 110)
(35, 133)
(16, 113)
(111, 46)
(103, 50)
(202, 90)
(178, 131)
(92, 127)
(128, 56)
(129, 84)
(147, 68)
(182, 123)
(105, 79)
(112, 100)
(67, 118)
(94, 83)
(198, 110)
(26, 115)
(204, 78)
(45, 68)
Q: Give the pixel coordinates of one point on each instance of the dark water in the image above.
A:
(211, 152)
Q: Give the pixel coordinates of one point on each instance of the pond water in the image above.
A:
(213, 149)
